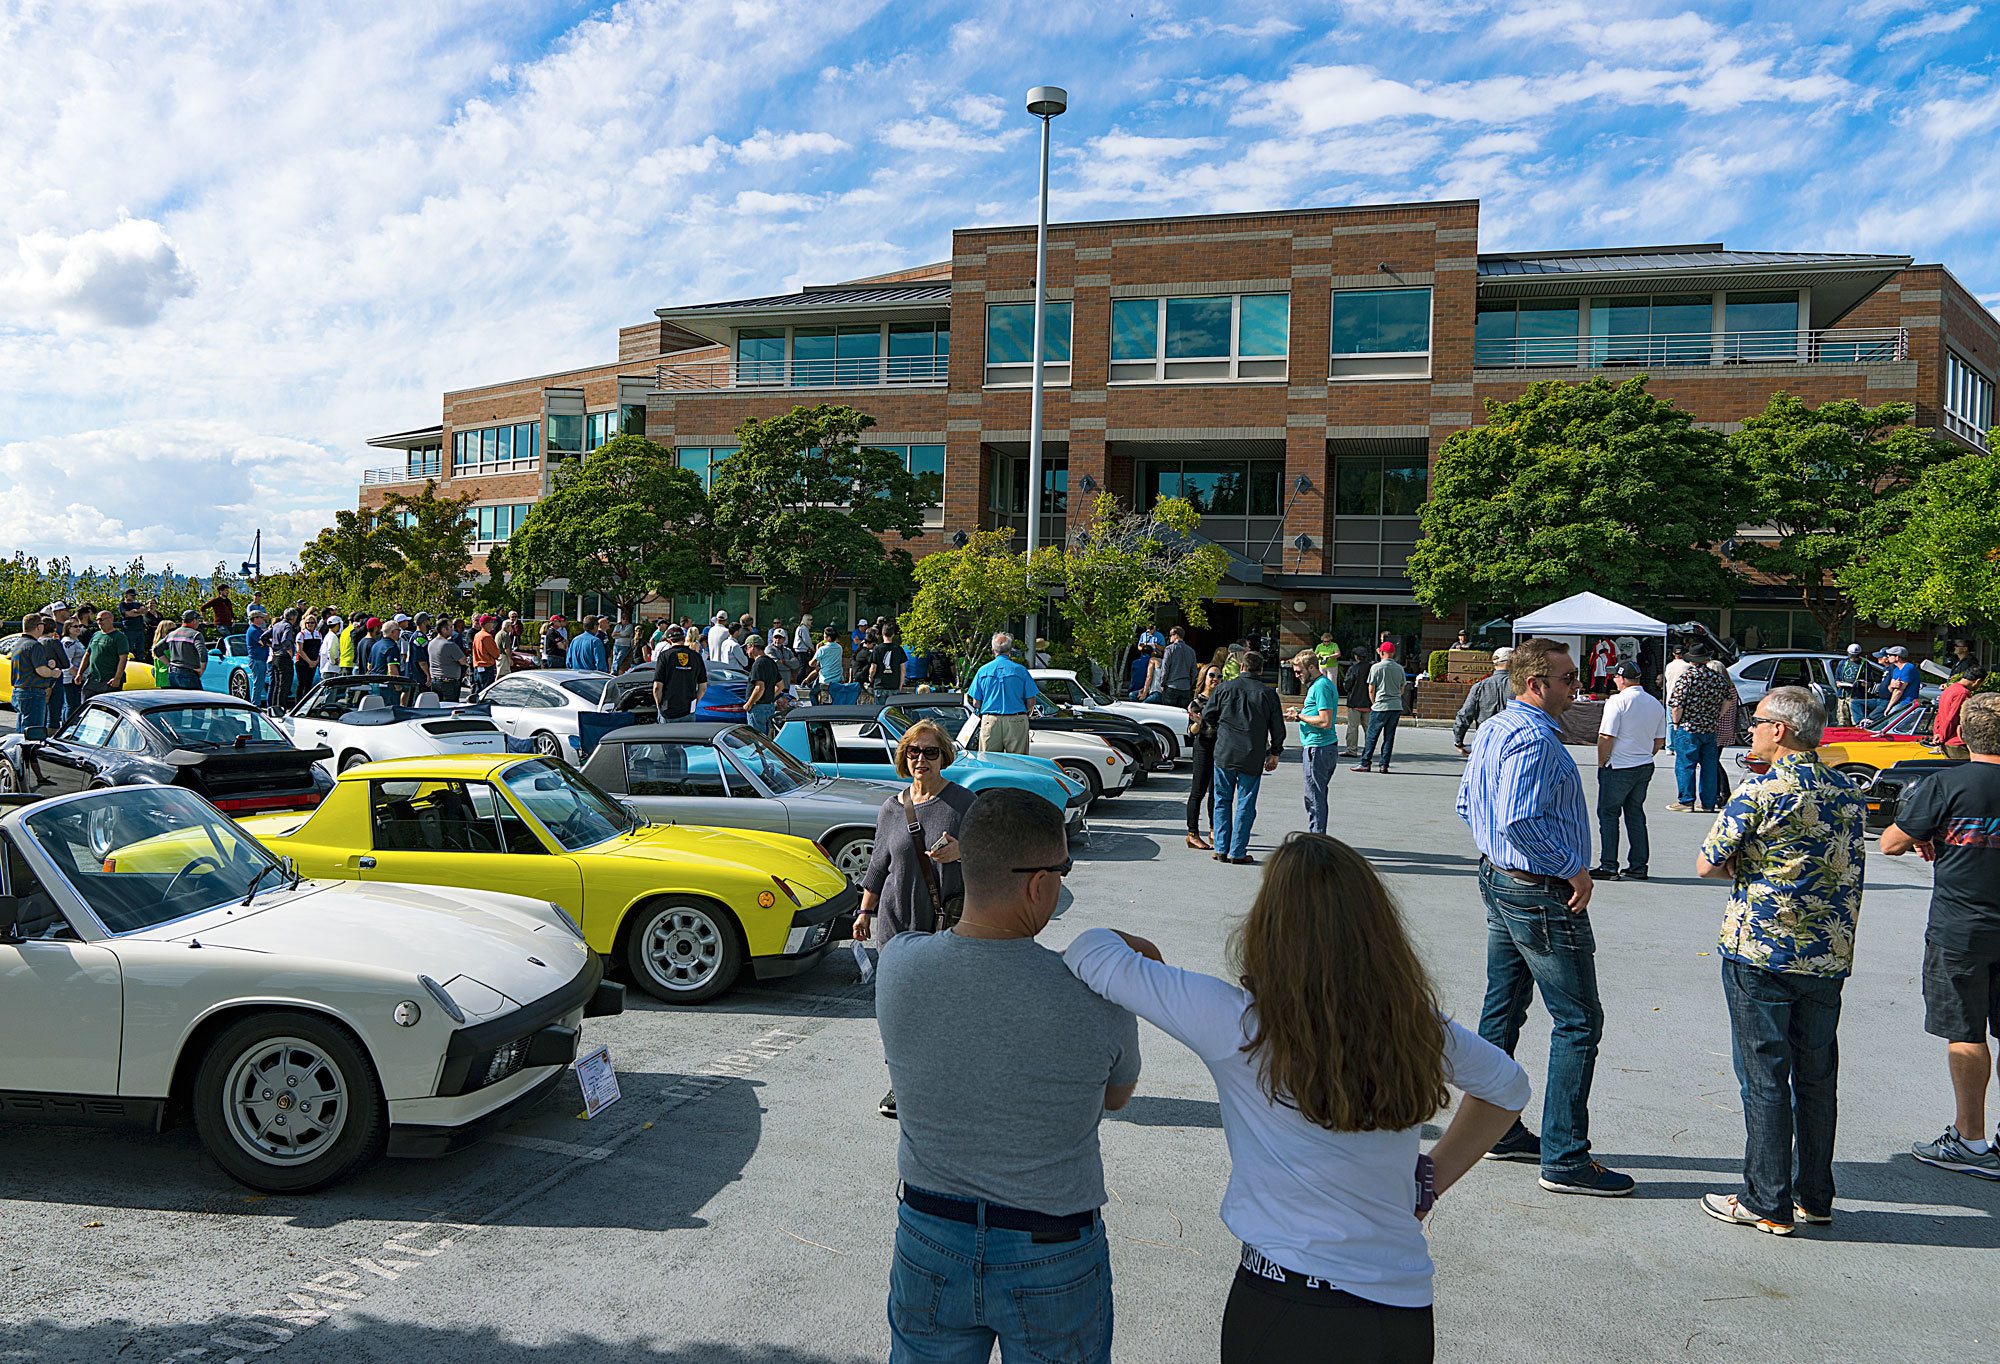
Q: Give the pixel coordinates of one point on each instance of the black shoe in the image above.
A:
(1635, 873)
(1604, 873)
(1593, 1180)
(1245, 861)
(1517, 1144)
(887, 1108)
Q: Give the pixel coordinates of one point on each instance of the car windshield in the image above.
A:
(569, 807)
(590, 689)
(338, 698)
(1097, 694)
(780, 773)
(217, 726)
(898, 718)
(727, 676)
(146, 855)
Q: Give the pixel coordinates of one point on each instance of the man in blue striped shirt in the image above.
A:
(1524, 801)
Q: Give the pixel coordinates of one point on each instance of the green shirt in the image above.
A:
(1328, 655)
(1321, 697)
(108, 651)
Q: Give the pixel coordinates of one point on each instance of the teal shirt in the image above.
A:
(1321, 696)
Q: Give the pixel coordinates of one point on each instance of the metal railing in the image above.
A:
(404, 474)
(1844, 346)
(866, 372)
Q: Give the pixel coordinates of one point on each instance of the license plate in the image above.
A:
(599, 1080)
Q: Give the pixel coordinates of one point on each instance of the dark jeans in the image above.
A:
(1788, 1063)
(31, 711)
(446, 688)
(65, 700)
(1697, 767)
(482, 678)
(1265, 1322)
(1622, 791)
(1533, 941)
(1235, 810)
(1381, 725)
(956, 1287)
(1175, 696)
(1201, 765)
(183, 679)
(1321, 761)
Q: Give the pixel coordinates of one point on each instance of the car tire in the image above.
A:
(549, 746)
(683, 951)
(1169, 745)
(316, 1057)
(10, 780)
(239, 685)
(1079, 771)
(351, 759)
(1860, 773)
(851, 854)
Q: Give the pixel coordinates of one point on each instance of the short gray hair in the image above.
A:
(1799, 711)
(1002, 641)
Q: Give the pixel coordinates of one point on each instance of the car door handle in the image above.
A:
(365, 863)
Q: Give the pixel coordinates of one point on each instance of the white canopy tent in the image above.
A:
(1588, 614)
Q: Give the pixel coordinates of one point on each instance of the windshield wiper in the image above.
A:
(265, 871)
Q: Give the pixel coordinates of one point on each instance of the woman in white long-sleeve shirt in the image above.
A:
(1327, 1059)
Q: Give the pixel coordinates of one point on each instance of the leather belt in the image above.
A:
(1527, 878)
(1053, 1226)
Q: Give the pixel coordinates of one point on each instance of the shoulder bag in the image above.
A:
(945, 910)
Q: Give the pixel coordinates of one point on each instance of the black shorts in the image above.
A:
(1961, 991)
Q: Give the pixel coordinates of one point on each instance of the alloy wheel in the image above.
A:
(285, 1101)
(684, 948)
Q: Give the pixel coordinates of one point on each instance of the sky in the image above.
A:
(237, 240)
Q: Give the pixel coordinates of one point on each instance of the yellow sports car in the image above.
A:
(685, 908)
(1863, 758)
(138, 675)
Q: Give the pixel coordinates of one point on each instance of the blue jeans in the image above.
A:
(955, 1287)
(1784, 1028)
(184, 680)
(1321, 762)
(260, 681)
(1235, 810)
(761, 716)
(1533, 941)
(1622, 791)
(31, 711)
(1697, 767)
(1381, 726)
(482, 678)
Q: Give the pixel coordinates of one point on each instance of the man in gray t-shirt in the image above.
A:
(1385, 707)
(1003, 1065)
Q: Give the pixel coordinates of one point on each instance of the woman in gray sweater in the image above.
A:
(913, 881)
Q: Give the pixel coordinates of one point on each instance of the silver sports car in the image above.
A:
(693, 772)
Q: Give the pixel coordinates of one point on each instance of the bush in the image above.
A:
(1440, 664)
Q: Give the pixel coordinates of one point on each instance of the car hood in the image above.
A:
(1025, 765)
(482, 946)
(845, 791)
(694, 847)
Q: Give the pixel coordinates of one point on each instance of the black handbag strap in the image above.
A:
(926, 868)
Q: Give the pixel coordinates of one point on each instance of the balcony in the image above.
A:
(700, 376)
(1845, 346)
(412, 473)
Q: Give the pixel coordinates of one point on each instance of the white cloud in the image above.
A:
(118, 276)
(765, 145)
(1950, 21)
(761, 203)
(934, 133)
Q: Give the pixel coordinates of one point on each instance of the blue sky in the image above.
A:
(241, 238)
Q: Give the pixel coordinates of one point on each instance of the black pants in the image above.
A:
(1266, 1322)
(1201, 762)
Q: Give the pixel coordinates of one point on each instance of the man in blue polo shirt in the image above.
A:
(1000, 694)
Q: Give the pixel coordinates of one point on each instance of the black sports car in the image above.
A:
(217, 746)
(1138, 743)
(1885, 794)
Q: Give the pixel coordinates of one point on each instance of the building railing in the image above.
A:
(413, 473)
(864, 372)
(1844, 346)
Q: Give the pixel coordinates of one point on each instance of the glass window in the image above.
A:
(859, 354)
(489, 445)
(569, 807)
(631, 419)
(1404, 485)
(780, 772)
(1358, 487)
(1198, 328)
(92, 728)
(1010, 330)
(673, 769)
(196, 727)
(760, 355)
(1265, 327)
(1135, 328)
(1382, 322)
(430, 816)
(1264, 480)
(566, 432)
(927, 463)
(1762, 313)
(1547, 317)
(504, 449)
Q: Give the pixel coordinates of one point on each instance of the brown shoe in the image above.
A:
(1198, 843)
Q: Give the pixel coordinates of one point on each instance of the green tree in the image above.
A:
(1943, 564)
(431, 537)
(626, 523)
(1596, 486)
(1825, 478)
(965, 595)
(803, 504)
(1117, 570)
(352, 554)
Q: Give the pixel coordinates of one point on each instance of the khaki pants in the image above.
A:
(1003, 733)
(1355, 720)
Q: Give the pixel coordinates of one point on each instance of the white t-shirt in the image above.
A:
(1336, 1205)
(718, 635)
(1633, 718)
(1672, 674)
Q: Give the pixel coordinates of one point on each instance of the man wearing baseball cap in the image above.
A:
(257, 645)
(1629, 736)
(485, 656)
(1488, 697)
(1385, 706)
(1850, 684)
(187, 653)
(1904, 680)
(555, 642)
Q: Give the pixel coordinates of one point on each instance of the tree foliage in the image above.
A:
(626, 523)
(1826, 479)
(28, 584)
(1596, 486)
(1942, 565)
(1121, 567)
(803, 505)
(431, 538)
(964, 595)
(355, 551)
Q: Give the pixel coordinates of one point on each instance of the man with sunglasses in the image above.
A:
(1523, 798)
(1004, 1063)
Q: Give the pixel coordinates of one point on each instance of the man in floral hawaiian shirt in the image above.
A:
(1792, 841)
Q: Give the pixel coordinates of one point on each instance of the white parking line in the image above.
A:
(554, 1148)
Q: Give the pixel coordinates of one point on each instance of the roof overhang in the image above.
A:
(1836, 286)
(409, 440)
(718, 322)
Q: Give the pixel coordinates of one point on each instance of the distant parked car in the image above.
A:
(1167, 723)
(1884, 795)
(368, 717)
(1755, 674)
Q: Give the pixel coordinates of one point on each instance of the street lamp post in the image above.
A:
(1044, 102)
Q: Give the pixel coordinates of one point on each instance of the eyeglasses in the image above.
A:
(1061, 868)
(1757, 720)
(927, 752)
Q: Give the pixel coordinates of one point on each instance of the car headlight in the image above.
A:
(438, 993)
(568, 922)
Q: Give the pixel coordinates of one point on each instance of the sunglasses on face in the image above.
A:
(927, 752)
(1757, 720)
(1061, 868)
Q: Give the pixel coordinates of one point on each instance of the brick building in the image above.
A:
(1293, 371)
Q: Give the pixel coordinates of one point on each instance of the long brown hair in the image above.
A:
(1347, 1026)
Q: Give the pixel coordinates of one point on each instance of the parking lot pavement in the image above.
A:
(738, 1203)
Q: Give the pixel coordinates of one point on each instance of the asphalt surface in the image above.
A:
(738, 1203)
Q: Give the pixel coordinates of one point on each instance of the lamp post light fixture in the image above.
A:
(1045, 102)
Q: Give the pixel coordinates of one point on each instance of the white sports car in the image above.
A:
(367, 718)
(158, 964)
(549, 708)
(1168, 723)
